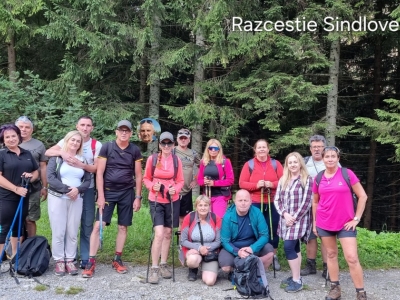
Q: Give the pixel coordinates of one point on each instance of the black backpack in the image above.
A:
(34, 256)
(249, 277)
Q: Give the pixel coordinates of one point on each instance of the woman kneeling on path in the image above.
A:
(293, 203)
(164, 192)
(335, 217)
(201, 235)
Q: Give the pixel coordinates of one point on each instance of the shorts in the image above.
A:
(226, 259)
(186, 204)
(312, 236)
(161, 213)
(211, 266)
(34, 206)
(340, 234)
(124, 202)
(8, 210)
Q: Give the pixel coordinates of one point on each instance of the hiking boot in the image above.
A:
(192, 276)
(230, 277)
(83, 264)
(164, 272)
(276, 264)
(70, 268)
(362, 295)
(335, 293)
(119, 266)
(294, 287)
(287, 281)
(153, 278)
(60, 268)
(311, 268)
(325, 271)
(89, 270)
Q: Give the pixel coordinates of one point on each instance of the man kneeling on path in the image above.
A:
(243, 232)
(119, 161)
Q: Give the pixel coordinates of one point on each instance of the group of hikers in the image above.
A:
(302, 200)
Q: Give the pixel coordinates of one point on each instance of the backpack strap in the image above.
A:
(306, 159)
(346, 177)
(273, 162)
(93, 146)
(176, 165)
(251, 165)
(319, 178)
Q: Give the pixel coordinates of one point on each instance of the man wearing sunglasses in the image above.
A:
(190, 162)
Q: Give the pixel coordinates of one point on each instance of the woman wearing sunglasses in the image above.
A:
(164, 192)
(260, 177)
(336, 218)
(216, 177)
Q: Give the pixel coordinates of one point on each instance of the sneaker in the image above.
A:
(89, 270)
(60, 268)
(164, 272)
(119, 266)
(153, 278)
(335, 293)
(311, 268)
(70, 268)
(294, 287)
(192, 276)
(362, 295)
(276, 264)
(83, 264)
(287, 281)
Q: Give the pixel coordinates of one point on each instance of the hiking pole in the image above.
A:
(270, 226)
(262, 200)
(172, 234)
(152, 237)
(101, 230)
(25, 184)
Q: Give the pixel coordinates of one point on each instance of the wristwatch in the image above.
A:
(139, 197)
(356, 219)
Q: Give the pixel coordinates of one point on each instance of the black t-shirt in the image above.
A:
(211, 171)
(12, 166)
(120, 166)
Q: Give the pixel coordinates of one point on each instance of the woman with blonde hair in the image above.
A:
(66, 186)
(293, 203)
(216, 176)
(201, 236)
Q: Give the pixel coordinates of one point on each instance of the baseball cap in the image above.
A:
(166, 136)
(125, 123)
(183, 132)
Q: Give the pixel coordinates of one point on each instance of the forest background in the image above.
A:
(180, 62)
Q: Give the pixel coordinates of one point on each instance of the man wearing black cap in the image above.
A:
(190, 163)
(119, 171)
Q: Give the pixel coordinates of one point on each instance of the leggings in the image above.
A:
(291, 247)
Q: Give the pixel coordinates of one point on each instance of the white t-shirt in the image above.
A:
(71, 176)
(87, 153)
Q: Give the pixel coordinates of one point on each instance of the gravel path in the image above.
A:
(107, 284)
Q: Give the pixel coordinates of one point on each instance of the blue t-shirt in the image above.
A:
(245, 235)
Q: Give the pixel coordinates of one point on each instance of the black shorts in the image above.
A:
(8, 209)
(163, 213)
(124, 201)
(186, 204)
(340, 234)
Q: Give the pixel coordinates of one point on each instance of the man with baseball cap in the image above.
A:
(119, 171)
(190, 163)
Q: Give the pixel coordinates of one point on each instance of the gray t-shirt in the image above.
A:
(190, 164)
(315, 166)
(37, 150)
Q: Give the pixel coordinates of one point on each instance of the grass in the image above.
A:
(40, 288)
(376, 251)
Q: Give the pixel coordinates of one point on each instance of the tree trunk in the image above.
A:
(154, 97)
(12, 67)
(143, 79)
(373, 145)
(331, 105)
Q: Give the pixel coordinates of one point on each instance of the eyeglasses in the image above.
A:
(213, 148)
(317, 147)
(146, 121)
(184, 132)
(170, 144)
(332, 148)
(124, 130)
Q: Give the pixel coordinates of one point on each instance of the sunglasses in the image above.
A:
(332, 148)
(170, 144)
(184, 132)
(146, 121)
(213, 148)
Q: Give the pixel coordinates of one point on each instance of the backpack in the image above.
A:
(346, 177)
(251, 165)
(34, 256)
(154, 160)
(93, 146)
(249, 277)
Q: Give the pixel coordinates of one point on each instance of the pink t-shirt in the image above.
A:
(335, 207)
